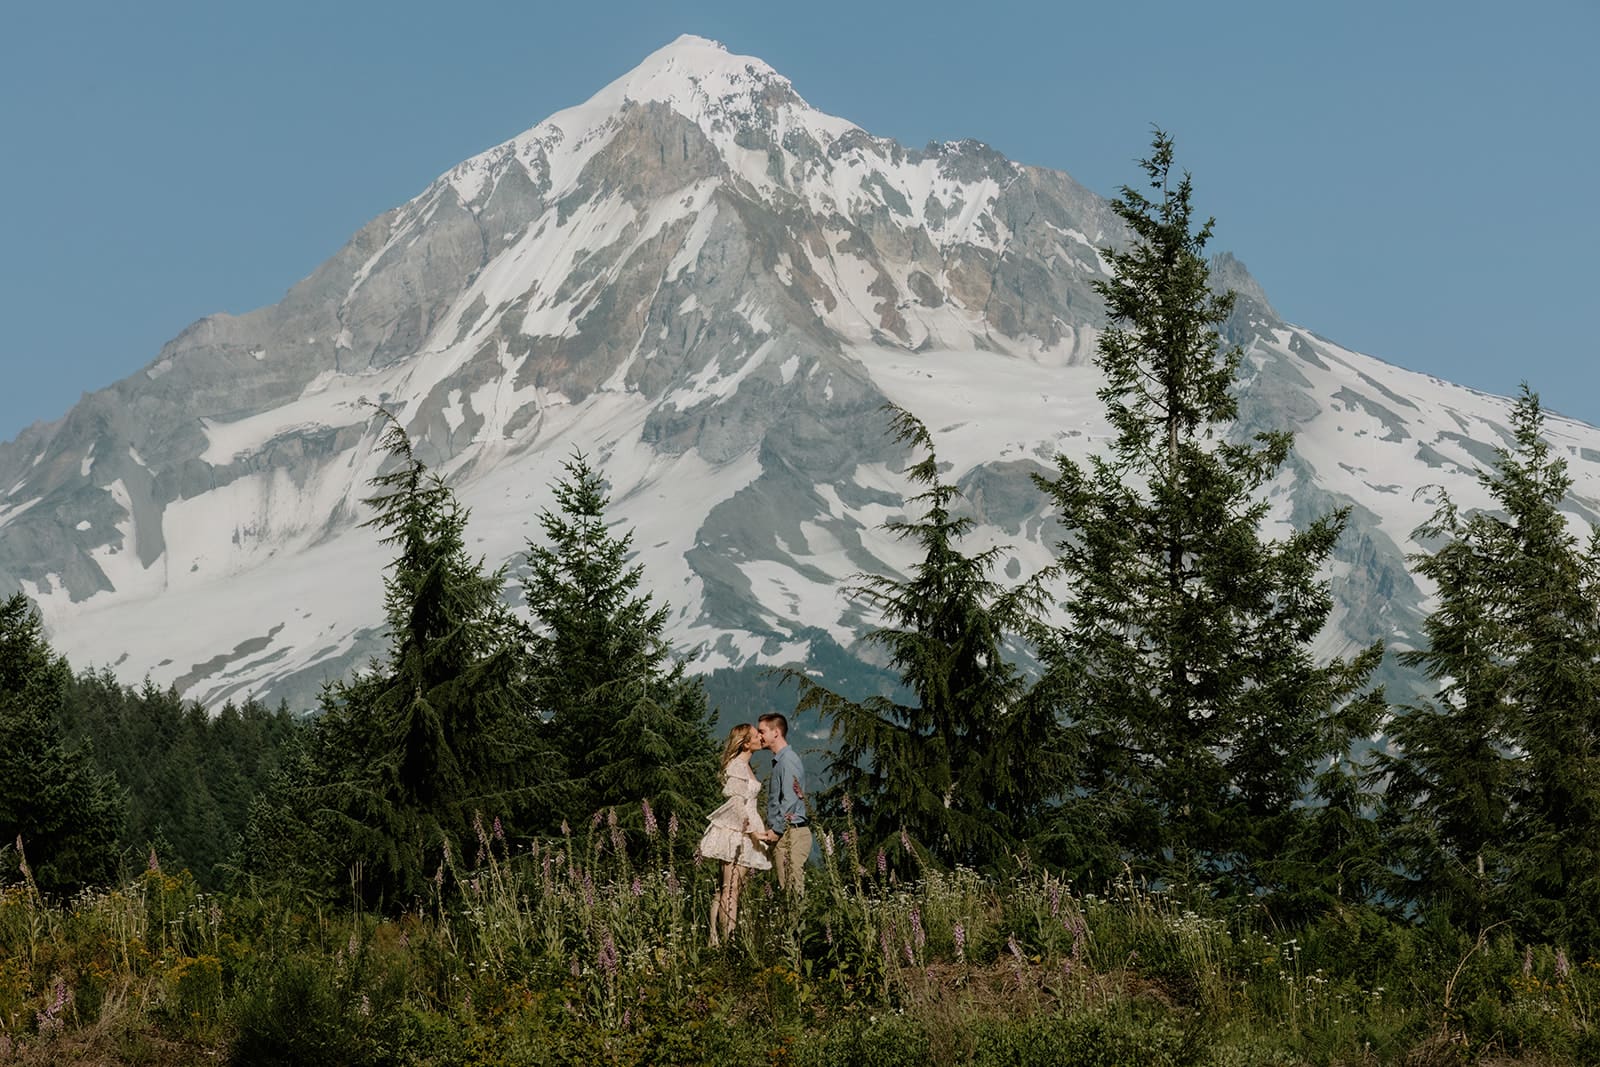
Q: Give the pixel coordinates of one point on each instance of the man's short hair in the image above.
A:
(783, 723)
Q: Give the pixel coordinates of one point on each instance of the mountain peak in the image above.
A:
(725, 94)
(691, 67)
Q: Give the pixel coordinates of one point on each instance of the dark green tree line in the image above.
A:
(58, 811)
(189, 775)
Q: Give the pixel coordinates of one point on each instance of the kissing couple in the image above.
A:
(736, 834)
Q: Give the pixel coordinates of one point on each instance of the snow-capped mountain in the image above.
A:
(711, 287)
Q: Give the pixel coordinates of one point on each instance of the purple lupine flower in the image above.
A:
(883, 944)
(672, 880)
(483, 838)
(918, 935)
(50, 1020)
(627, 1018)
(883, 863)
(672, 827)
(959, 935)
(849, 837)
(544, 872)
(608, 956)
(566, 830)
(365, 1007)
(438, 878)
(846, 803)
(910, 953)
(611, 817)
(905, 841)
(588, 890)
(1563, 968)
(499, 831)
(649, 819)
(594, 820)
(638, 887)
(154, 864)
(827, 843)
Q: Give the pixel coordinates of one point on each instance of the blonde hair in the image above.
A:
(735, 743)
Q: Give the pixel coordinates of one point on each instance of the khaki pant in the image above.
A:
(789, 856)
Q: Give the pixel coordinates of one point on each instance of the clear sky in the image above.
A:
(1411, 178)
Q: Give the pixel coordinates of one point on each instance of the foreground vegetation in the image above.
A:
(573, 950)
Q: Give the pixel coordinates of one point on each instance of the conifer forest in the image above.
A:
(1119, 811)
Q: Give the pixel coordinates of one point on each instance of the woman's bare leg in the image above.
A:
(730, 906)
(719, 921)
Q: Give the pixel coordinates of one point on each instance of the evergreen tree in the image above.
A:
(407, 752)
(626, 720)
(54, 802)
(1185, 663)
(966, 771)
(1493, 799)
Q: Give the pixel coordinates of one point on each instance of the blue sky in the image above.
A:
(1411, 179)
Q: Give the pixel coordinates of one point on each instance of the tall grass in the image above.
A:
(592, 947)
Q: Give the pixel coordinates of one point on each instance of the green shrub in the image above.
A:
(879, 1041)
(294, 1017)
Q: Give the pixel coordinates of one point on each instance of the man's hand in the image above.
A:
(769, 836)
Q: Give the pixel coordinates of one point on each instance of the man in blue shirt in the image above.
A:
(788, 826)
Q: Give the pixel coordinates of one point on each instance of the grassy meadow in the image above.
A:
(591, 949)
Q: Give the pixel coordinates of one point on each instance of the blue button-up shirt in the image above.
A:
(785, 796)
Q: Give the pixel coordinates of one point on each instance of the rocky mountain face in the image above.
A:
(711, 288)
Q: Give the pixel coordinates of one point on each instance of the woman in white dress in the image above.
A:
(734, 833)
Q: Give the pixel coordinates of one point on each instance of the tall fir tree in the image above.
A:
(1492, 804)
(966, 772)
(55, 804)
(408, 752)
(627, 721)
(1185, 664)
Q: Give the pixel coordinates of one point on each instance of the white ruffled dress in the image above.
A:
(728, 837)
